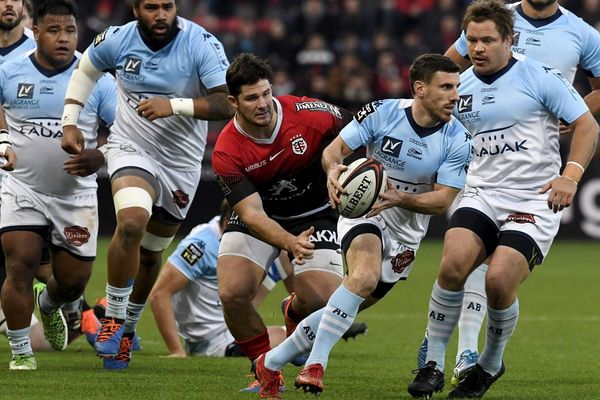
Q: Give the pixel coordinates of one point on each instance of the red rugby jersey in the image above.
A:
(284, 169)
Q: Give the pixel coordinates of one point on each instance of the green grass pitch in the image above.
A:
(554, 354)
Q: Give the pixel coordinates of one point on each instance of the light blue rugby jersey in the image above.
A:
(563, 41)
(414, 157)
(32, 99)
(22, 46)
(193, 62)
(513, 117)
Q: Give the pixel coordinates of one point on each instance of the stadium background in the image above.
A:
(347, 52)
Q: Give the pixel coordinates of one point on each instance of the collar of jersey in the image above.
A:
(49, 73)
(6, 50)
(538, 23)
(489, 79)
(420, 130)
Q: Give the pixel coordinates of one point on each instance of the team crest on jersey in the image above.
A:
(516, 37)
(367, 110)
(25, 91)
(391, 146)
(465, 103)
(132, 65)
(77, 235)
(299, 145)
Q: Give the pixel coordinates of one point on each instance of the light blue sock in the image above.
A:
(19, 341)
(338, 315)
(300, 342)
(116, 301)
(134, 313)
(501, 325)
(473, 311)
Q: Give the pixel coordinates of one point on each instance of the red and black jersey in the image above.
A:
(284, 169)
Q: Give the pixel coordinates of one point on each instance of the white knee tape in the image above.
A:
(133, 197)
(155, 243)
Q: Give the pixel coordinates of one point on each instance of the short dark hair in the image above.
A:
(246, 69)
(55, 7)
(426, 65)
(490, 10)
(29, 6)
(136, 3)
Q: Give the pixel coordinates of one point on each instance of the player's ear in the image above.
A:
(233, 101)
(419, 89)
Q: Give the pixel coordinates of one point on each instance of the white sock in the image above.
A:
(500, 327)
(19, 341)
(134, 313)
(116, 301)
(473, 311)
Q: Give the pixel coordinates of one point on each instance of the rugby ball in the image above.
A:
(363, 181)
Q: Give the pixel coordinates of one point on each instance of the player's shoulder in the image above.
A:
(206, 232)
(16, 64)
(381, 107)
(29, 33)
(115, 33)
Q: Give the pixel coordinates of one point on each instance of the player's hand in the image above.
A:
(564, 129)
(154, 108)
(562, 190)
(303, 249)
(388, 199)
(72, 140)
(11, 159)
(334, 188)
(85, 163)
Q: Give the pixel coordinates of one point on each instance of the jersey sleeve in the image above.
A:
(2, 84)
(106, 94)
(461, 44)
(363, 128)
(233, 182)
(453, 170)
(556, 93)
(211, 61)
(104, 49)
(195, 256)
(590, 57)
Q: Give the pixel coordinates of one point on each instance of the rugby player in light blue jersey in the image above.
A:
(553, 35)
(511, 207)
(426, 152)
(170, 80)
(49, 197)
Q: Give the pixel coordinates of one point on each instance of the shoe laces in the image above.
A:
(109, 327)
(89, 322)
(125, 347)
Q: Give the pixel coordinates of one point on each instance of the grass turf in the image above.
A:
(553, 354)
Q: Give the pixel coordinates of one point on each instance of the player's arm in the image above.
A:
(435, 202)
(169, 283)
(212, 107)
(251, 211)
(80, 87)
(6, 149)
(332, 162)
(583, 145)
(455, 56)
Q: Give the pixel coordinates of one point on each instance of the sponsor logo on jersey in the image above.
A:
(46, 90)
(420, 144)
(521, 218)
(274, 156)
(531, 41)
(402, 260)
(318, 106)
(391, 146)
(516, 37)
(25, 91)
(324, 235)
(192, 253)
(299, 145)
(489, 99)
(42, 127)
(151, 65)
(415, 153)
(100, 37)
(180, 198)
(282, 185)
(367, 110)
(76, 235)
(132, 66)
(465, 103)
(256, 165)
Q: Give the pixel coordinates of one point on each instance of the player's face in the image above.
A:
(11, 12)
(56, 37)
(254, 105)
(488, 51)
(441, 95)
(540, 4)
(157, 19)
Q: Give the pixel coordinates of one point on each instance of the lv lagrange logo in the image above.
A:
(465, 103)
(391, 146)
(132, 65)
(25, 91)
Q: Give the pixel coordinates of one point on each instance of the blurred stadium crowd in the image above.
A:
(347, 52)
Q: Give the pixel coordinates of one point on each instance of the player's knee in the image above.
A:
(365, 280)
(498, 288)
(233, 298)
(451, 274)
(130, 228)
